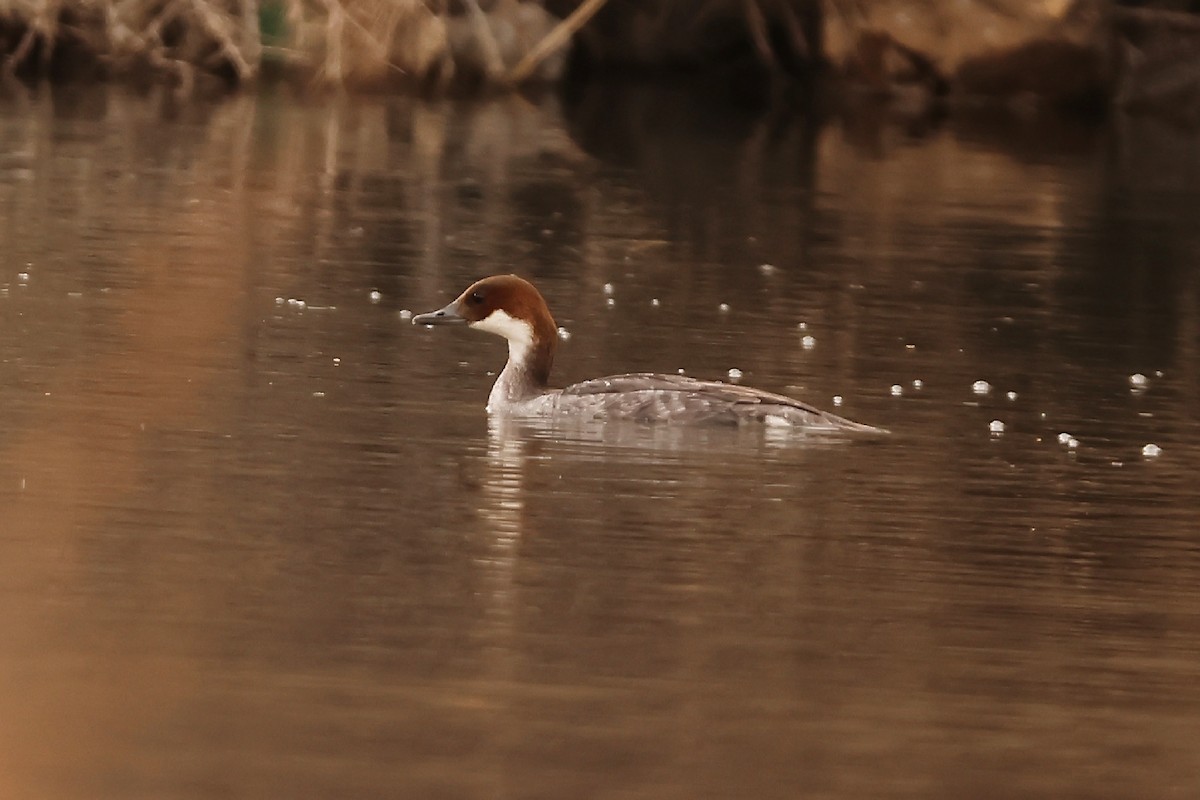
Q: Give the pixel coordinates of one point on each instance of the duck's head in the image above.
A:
(507, 306)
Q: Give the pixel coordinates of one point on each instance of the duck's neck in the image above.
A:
(524, 377)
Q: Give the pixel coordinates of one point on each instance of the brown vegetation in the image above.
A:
(332, 42)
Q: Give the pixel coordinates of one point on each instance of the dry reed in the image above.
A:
(333, 42)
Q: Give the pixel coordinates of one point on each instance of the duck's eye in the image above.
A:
(475, 298)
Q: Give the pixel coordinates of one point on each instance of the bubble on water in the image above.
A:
(1151, 451)
(918, 384)
(655, 302)
(1068, 440)
(680, 370)
(981, 387)
(897, 390)
(766, 269)
(610, 302)
(375, 295)
(723, 308)
(404, 313)
(1158, 373)
(318, 394)
(808, 342)
(996, 427)
(564, 334)
(837, 400)
(910, 347)
(1138, 381)
(279, 301)
(735, 374)
(23, 277)
(337, 362)
(609, 288)
(802, 326)
(1011, 396)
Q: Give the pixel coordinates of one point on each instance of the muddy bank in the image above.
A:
(915, 55)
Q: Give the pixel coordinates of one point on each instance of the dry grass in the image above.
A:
(180, 37)
(332, 42)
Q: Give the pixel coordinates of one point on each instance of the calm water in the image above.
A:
(250, 549)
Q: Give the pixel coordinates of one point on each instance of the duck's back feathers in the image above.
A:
(653, 397)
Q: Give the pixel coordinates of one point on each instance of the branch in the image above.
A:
(553, 40)
(217, 29)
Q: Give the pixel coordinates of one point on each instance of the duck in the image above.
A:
(512, 308)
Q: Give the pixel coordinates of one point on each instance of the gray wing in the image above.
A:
(651, 396)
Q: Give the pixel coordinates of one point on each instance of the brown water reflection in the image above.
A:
(254, 549)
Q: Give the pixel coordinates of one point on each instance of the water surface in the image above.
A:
(258, 538)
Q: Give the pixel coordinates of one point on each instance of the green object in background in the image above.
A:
(272, 23)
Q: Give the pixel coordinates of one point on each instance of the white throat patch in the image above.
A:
(518, 332)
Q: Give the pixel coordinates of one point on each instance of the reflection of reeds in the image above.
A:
(333, 42)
